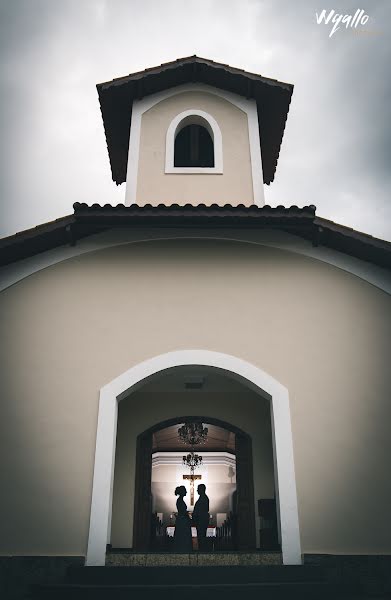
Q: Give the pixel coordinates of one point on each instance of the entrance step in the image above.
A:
(209, 583)
(252, 591)
(195, 576)
(196, 559)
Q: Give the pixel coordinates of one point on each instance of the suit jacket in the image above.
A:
(201, 510)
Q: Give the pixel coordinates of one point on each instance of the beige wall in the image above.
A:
(71, 328)
(234, 186)
(240, 407)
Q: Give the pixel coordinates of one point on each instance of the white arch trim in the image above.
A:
(199, 117)
(254, 377)
(248, 106)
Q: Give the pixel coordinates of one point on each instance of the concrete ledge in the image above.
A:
(196, 559)
(18, 573)
(372, 573)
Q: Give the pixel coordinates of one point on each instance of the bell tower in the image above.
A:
(194, 132)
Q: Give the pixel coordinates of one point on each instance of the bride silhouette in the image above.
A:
(182, 535)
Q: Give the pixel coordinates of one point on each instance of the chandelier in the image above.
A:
(193, 434)
(192, 461)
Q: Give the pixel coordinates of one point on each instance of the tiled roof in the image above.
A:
(116, 97)
(88, 220)
(207, 215)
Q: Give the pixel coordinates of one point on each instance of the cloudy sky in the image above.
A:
(336, 152)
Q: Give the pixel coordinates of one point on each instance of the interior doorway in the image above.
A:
(226, 470)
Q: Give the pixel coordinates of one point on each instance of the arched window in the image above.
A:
(194, 144)
(193, 147)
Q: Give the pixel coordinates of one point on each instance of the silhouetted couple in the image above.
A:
(182, 535)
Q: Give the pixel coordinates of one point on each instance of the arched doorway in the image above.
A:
(251, 376)
(243, 531)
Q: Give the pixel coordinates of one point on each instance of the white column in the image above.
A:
(284, 468)
(103, 478)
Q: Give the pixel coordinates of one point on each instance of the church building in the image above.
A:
(194, 335)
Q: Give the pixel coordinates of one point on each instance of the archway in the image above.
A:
(244, 509)
(247, 373)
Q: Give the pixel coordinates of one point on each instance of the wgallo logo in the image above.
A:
(359, 18)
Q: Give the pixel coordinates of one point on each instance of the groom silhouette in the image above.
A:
(201, 516)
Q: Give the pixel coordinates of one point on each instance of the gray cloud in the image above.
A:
(337, 146)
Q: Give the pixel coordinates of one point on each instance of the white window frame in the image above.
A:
(194, 117)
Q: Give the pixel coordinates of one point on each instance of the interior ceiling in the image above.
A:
(218, 440)
(176, 380)
(211, 381)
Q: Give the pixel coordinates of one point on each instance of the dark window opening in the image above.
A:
(194, 147)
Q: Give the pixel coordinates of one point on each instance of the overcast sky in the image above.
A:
(336, 152)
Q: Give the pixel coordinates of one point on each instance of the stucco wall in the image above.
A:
(233, 186)
(71, 328)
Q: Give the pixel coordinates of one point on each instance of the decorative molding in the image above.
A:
(248, 106)
(208, 458)
(246, 373)
(187, 118)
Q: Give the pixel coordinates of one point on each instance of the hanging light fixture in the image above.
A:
(192, 461)
(193, 434)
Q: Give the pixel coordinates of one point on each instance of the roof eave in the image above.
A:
(89, 220)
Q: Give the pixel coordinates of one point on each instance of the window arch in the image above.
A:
(193, 147)
(194, 144)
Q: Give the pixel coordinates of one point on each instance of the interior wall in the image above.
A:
(240, 407)
(220, 482)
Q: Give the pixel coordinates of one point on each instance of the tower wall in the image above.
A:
(240, 181)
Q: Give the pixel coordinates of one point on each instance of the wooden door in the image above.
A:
(245, 509)
(143, 494)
